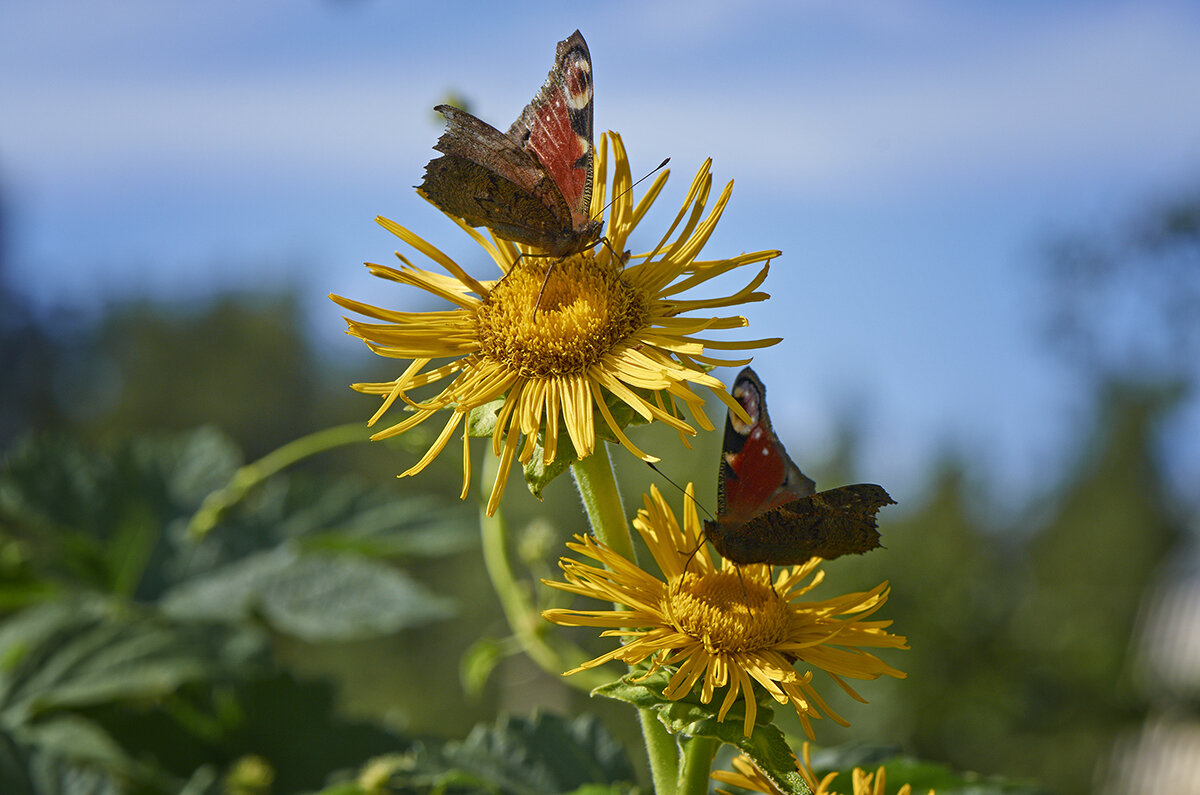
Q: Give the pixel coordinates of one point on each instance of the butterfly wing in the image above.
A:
(827, 525)
(768, 511)
(557, 127)
(756, 472)
(532, 185)
(487, 181)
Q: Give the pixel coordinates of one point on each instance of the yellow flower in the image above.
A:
(749, 777)
(723, 627)
(606, 325)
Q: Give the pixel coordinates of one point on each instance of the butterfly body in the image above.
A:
(532, 184)
(768, 511)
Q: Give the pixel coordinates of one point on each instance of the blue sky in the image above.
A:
(909, 158)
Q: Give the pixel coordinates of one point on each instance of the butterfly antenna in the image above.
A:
(691, 555)
(695, 502)
(676, 485)
(649, 173)
(542, 289)
(604, 240)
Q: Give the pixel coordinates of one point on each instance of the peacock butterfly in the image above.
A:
(768, 511)
(533, 184)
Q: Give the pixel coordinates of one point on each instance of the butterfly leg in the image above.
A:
(742, 582)
(542, 291)
(691, 555)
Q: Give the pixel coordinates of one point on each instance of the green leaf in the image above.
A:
(623, 415)
(80, 652)
(395, 528)
(129, 551)
(347, 788)
(602, 789)
(112, 521)
(27, 770)
(539, 475)
(96, 519)
(922, 775)
(68, 664)
(79, 740)
(481, 420)
(310, 596)
(204, 781)
(689, 717)
(521, 756)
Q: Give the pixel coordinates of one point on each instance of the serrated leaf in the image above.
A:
(26, 770)
(78, 739)
(79, 653)
(922, 775)
(98, 518)
(690, 717)
(65, 662)
(345, 518)
(313, 597)
(547, 753)
(196, 463)
(521, 756)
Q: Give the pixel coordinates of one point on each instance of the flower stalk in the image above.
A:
(217, 503)
(597, 485)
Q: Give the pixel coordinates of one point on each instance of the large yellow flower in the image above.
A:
(725, 627)
(749, 777)
(607, 326)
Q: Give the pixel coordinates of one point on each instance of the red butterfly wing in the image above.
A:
(487, 181)
(756, 472)
(532, 185)
(768, 511)
(557, 127)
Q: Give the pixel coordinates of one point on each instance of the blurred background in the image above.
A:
(989, 294)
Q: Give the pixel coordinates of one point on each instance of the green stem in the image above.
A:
(523, 618)
(698, 756)
(218, 502)
(662, 751)
(601, 499)
(598, 487)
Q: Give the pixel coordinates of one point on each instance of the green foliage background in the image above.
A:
(337, 616)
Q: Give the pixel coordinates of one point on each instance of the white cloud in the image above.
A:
(1061, 95)
(1089, 92)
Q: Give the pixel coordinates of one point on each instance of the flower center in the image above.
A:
(715, 610)
(586, 310)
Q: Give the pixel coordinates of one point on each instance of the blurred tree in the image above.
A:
(1021, 631)
(1127, 305)
(1089, 565)
(28, 356)
(242, 363)
(1126, 308)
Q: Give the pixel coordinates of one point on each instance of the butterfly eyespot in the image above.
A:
(579, 98)
(536, 177)
(769, 511)
(587, 153)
